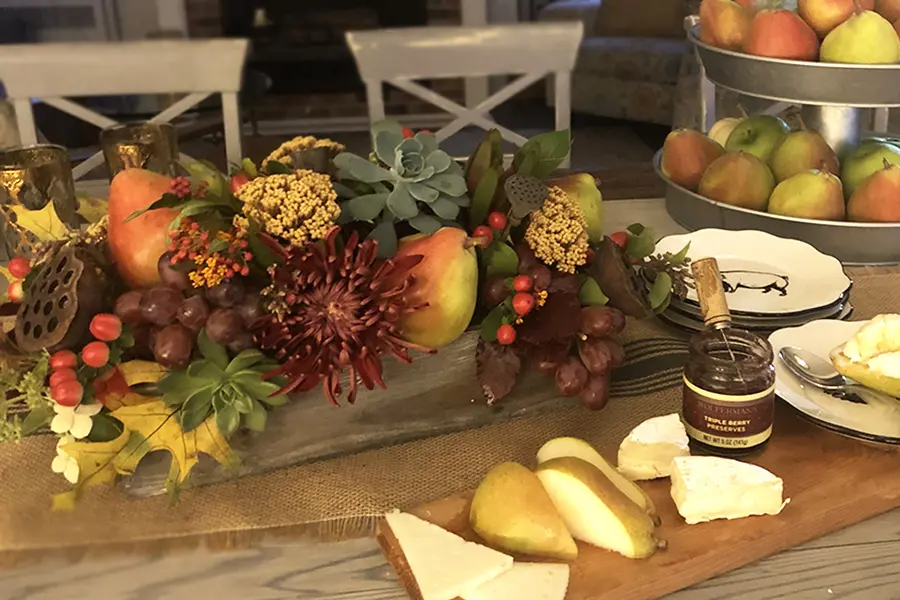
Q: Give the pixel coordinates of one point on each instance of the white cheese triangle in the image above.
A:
(525, 581)
(444, 565)
(648, 450)
(705, 488)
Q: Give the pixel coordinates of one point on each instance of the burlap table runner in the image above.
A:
(344, 496)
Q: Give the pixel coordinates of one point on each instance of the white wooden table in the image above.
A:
(859, 563)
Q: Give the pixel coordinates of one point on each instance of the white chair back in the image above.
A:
(53, 72)
(532, 50)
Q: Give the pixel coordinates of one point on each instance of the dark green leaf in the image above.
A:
(228, 419)
(528, 164)
(196, 409)
(681, 257)
(126, 340)
(425, 223)
(105, 428)
(500, 258)
(366, 208)
(37, 419)
(217, 245)
(386, 236)
(244, 360)
(176, 385)
(483, 197)
(549, 149)
(590, 294)
(274, 167)
(660, 291)
(261, 253)
(212, 351)
(256, 419)
(492, 323)
(343, 191)
(641, 241)
(167, 200)
(253, 385)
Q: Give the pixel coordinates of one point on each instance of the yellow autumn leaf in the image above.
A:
(92, 209)
(44, 224)
(142, 371)
(154, 426)
(96, 465)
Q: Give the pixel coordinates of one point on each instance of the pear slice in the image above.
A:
(578, 448)
(595, 510)
(512, 511)
(872, 355)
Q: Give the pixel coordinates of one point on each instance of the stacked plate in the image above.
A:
(770, 282)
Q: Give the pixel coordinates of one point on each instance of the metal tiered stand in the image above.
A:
(832, 99)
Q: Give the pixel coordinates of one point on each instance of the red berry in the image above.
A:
(407, 132)
(522, 283)
(106, 327)
(16, 292)
(19, 267)
(61, 376)
(64, 359)
(237, 181)
(497, 221)
(506, 334)
(523, 303)
(428, 131)
(620, 238)
(484, 233)
(67, 393)
(95, 354)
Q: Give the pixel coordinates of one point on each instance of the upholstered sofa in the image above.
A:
(631, 58)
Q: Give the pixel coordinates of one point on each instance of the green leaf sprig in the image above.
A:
(233, 390)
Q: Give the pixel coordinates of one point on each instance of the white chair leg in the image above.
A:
(562, 82)
(882, 117)
(25, 121)
(231, 117)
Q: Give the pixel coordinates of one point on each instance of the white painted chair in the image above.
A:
(53, 72)
(532, 50)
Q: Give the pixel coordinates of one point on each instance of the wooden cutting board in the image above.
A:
(832, 481)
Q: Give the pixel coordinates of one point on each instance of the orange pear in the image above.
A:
(738, 179)
(724, 24)
(686, 155)
(877, 199)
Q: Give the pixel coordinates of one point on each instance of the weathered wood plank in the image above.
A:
(859, 563)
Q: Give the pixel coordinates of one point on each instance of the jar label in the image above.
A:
(726, 421)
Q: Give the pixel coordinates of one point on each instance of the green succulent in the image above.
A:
(410, 179)
(233, 389)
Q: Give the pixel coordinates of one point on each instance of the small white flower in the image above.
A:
(74, 420)
(65, 464)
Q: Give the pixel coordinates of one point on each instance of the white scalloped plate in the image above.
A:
(765, 275)
(876, 420)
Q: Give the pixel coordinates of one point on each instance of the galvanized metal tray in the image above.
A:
(850, 243)
(802, 82)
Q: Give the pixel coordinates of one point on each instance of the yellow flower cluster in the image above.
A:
(304, 142)
(212, 273)
(298, 207)
(557, 233)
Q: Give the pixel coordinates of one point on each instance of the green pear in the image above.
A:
(802, 151)
(867, 159)
(758, 135)
(512, 511)
(738, 179)
(583, 188)
(809, 195)
(866, 38)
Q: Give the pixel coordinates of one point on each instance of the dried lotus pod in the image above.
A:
(525, 195)
(60, 302)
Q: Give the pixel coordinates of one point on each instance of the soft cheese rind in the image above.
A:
(648, 450)
(525, 581)
(444, 565)
(705, 488)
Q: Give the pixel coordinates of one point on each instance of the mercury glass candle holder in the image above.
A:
(151, 146)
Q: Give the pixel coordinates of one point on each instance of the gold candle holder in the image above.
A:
(151, 146)
(31, 177)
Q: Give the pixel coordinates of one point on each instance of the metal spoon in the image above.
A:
(813, 369)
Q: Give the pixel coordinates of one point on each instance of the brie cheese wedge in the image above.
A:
(444, 565)
(525, 581)
(648, 450)
(705, 488)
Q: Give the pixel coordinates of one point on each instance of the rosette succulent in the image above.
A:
(408, 179)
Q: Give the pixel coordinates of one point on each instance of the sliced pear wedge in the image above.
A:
(578, 448)
(595, 510)
(872, 355)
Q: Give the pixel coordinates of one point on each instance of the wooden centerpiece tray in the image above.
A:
(832, 482)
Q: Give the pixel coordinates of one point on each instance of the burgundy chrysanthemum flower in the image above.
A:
(335, 310)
